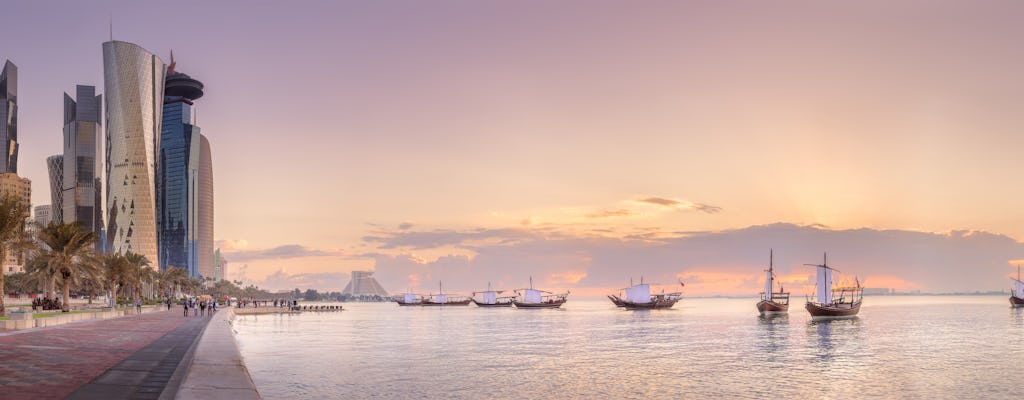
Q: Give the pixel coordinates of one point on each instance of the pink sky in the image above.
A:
(334, 124)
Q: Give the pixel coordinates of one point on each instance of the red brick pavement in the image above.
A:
(52, 362)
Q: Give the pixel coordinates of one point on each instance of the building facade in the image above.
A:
(42, 215)
(364, 285)
(55, 167)
(9, 118)
(80, 175)
(21, 188)
(204, 200)
(181, 180)
(133, 80)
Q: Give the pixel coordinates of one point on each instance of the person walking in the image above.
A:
(195, 308)
(168, 304)
(138, 305)
(184, 303)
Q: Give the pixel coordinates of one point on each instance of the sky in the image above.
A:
(584, 143)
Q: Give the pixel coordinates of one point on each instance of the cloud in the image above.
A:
(405, 226)
(324, 281)
(279, 252)
(681, 205)
(228, 245)
(621, 212)
(723, 262)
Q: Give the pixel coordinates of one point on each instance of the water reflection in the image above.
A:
(827, 341)
(775, 338)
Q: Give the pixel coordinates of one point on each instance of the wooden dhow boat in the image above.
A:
(490, 298)
(639, 297)
(616, 299)
(533, 298)
(772, 302)
(409, 299)
(442, 299)
(827, 304)
(1017, 295)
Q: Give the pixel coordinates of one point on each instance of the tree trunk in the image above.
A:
(3, 256)
(65, 305)
(51, 292)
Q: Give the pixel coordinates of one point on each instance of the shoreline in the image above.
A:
(214, 368)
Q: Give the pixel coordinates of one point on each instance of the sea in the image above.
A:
(920, 347)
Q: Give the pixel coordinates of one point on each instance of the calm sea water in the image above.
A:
(899, 347)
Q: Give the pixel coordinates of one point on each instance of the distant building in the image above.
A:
(42, 215)
(185, 181)
(80, 194)
(21, 188)
(9, 118)
(220, 266)
(55, 167)
(363, 285)
(877, 291)
(133, 80)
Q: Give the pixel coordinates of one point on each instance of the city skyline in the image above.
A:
(441, 138)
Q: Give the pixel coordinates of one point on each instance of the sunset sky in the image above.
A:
(581, 142)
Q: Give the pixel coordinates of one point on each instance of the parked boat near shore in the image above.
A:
(533, 298)
(1017, 294)
(827, 305)
(772, 302)
(491, 298)
(442, 299)
(639, 297)
(409, 299)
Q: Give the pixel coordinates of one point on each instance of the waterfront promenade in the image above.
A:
(135, 357)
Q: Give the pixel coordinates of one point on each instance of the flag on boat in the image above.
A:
(682, 284)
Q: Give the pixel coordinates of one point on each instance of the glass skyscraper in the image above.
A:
(133, 80)
(80, 197)
(185, 182)
(55, 166)
(9, 118)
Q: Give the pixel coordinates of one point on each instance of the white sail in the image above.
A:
(410, 298)
(639, 293)
(441, 298)
(1019, 290)
(824, 285)
(531, 296)
(767, 285)
(490, 297)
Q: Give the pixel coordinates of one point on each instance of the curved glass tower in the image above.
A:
(133, 79)
(55, 166)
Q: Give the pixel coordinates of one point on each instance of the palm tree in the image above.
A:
(169, 278)
(115, 269)
(70, 255)
(12, 231)
(140, 272)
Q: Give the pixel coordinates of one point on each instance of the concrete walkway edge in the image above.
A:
(216, 369)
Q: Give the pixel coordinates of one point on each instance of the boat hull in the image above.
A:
(445, 304)
(615, 300)
(404, 304)
(771, 307)
(546, 304)
(1016, 301)
(505, 304)
(653, 305)
(842, 310)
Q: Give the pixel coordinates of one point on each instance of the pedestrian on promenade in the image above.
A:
(184, 302)
(168, 304)
(202, 307)
(138, 305)
(195, 308)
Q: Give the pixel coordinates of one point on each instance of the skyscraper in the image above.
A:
(185, 182)
(133, 79)
(42, 214)
(9, 118)
(81, 134)
(55, 166)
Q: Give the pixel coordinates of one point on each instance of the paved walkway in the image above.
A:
(121, 358)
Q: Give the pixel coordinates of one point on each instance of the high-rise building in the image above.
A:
(204, 198)
(180, 183)
(55, 166)
(81, 139)
(133, 80)
(220, 265)
(21, 188)
(9, 118)
(42, 215)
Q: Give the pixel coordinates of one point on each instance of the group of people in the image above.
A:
(204, 307)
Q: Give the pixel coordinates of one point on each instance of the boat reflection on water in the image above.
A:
(832, 334)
